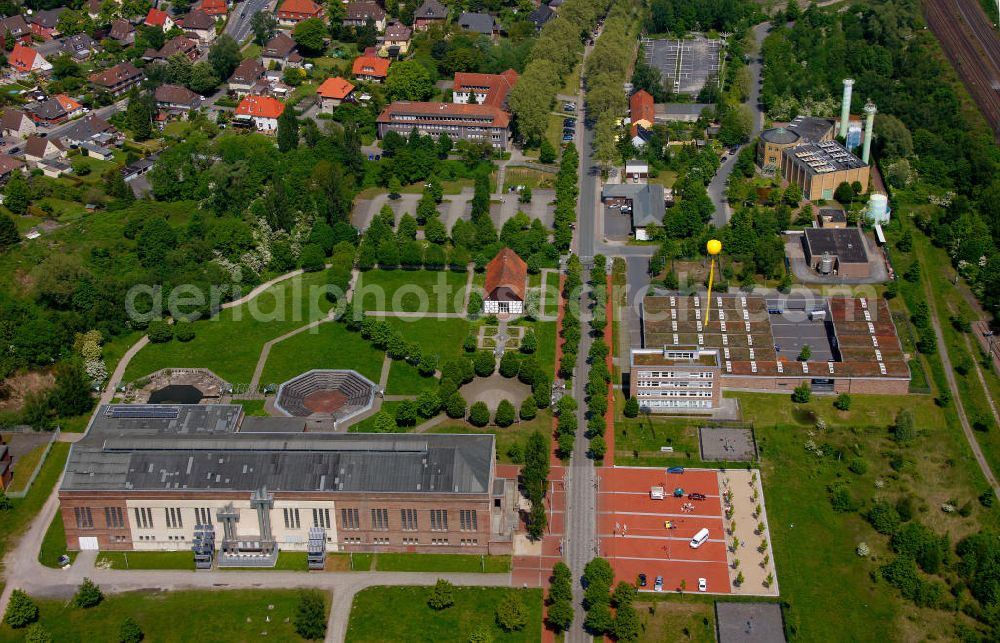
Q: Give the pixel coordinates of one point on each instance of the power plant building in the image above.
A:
(802, 130)
(819, 168)
(839, 251)
(173, 477)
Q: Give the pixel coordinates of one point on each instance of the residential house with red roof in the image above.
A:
(158, 18)
(200, 25)
(37, 148)
(370, 67)
(8, 165)
(264, 111)
(118, 79)
(641, 110)
(292, 12)
(176, 45)
(333, 92)
(214, 7)
(175, 98)
(483, 89)
(359, 13)
(70, 106)
(506, 284)
(25, 60)
(476, 123)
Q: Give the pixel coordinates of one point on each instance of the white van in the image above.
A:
(699, 539)
(657, 493)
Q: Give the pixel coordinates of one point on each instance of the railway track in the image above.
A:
(971, 45)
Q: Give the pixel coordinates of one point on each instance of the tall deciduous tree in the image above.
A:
(409, 80)
(224, 56)
(264, 26)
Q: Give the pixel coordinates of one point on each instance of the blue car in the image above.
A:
(675, 470)
(567, 137)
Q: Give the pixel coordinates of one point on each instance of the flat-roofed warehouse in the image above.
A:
(146, 477)
(839, 251)
(757, 342)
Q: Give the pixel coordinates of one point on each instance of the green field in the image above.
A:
(411, 291)
(26, 465)
(54, 543)
(181, 616)
(516, 433)
(545, 332)
(443, 563)
(329, 345)
(183, 559)
(402, 614)
(252, 407)
(230, 344)
(367, 425)
(442, 337)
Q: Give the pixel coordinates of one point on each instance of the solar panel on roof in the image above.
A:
(144, 411)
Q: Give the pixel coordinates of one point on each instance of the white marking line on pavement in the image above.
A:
(639, 513)
(672, 538)
(673, 560)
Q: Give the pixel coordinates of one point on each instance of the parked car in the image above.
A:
(642, 580)
(696, 496)
(569, 122)
(567, 137)
(658, 584)
(569, 107)
(702, 585)
(675, 470)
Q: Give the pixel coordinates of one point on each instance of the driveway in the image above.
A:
(717, 188)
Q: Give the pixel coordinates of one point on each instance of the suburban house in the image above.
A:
(37, 148)
(18, 28)
(480, 23)
(96, 151)
(246, 76)
(47, 112)
(396, 40)
(8, 165)
(16, 124)
(430, 13)
(176, 45)
(123, 32)
(175, 98)
(292, 12)
(25, 60)
(280, 50)
(43, 23)
(91, 128)
(214, 7)
(333, 92)
(80, 46)
(158, 18)
(118, 79)
(636, 170)
(358, 14)
(262, 110)
(70, 106)
(646, 202)
(483, 89)
(540, 16)
(476, 123)
(506, 284)
(641, 110)
(200, 25)
(93, 8)
(370, 67)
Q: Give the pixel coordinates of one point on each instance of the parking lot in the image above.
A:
(689, 62)
(634, 537)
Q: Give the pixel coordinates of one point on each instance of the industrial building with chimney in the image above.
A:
(240, 489)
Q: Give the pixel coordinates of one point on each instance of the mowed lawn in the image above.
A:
(439, 336)
(411, 291)
(402, 614)
(329, 345)
(230, 344)
(181, 617)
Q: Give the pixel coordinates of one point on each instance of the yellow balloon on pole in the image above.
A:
(714, 247)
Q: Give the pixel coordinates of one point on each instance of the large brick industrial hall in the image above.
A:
(175, 477)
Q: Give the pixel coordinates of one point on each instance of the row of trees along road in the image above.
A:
(553, 57)
(606, 66)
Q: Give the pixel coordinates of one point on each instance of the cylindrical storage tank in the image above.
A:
(878, 208)
(825, 264)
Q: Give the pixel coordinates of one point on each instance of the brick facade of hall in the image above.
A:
(151, 520)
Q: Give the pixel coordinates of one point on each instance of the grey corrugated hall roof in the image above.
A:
(152, 457)
(648, 206)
